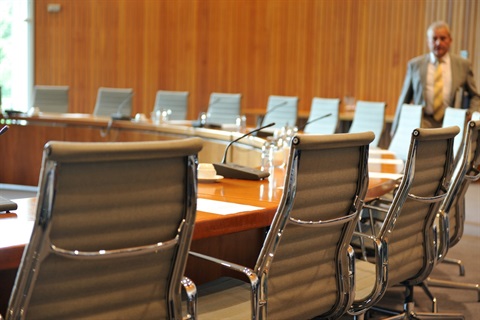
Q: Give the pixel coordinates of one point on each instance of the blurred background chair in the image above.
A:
(369, 116)
(51, 98)
(113, 227)
(410, 118)
(321, 107)
(453, 208)
(304, 269)
(176, 101)
(223, 108)
(403, 247)
(282, 110)
(114, 101)
(456, 117)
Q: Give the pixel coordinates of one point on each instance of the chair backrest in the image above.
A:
(410, 118)
(456, 117)
(176, 101)
(369, 116)
(51, 98)
(408, 226)
(321, 107)
(282, 110)
(113, 101)
(223, 108)
(466, 171)
(113, 227)
(306, 252)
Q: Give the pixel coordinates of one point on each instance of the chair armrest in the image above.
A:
(233, 266)
(191, 292)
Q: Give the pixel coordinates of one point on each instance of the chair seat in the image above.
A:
(364, 279)
(224, 298)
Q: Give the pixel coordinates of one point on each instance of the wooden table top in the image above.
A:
(16, 227)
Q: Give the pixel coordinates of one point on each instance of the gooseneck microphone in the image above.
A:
(314, 120)
(118, 115)
(235, 171)
(3, 130)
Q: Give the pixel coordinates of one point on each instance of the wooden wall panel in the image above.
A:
(306, 48)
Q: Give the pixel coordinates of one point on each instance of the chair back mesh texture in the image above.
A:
(409, 231)
(112, 101)
(223, 108)
(369, 116)
(304, 267)
(320, 108)
(175, 101)
(51, 98)
(282, 110)
(121, 197)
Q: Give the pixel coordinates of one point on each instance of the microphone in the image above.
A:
(118, 115)
(314, 120)
(235, 171)
(3, 130)
(275, 107)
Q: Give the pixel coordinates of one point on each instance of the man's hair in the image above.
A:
(437, 25)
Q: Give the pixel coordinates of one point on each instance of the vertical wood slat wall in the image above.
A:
(304, 48)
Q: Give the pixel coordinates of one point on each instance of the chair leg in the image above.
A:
(409, 309)
(457, 262)
(454, 285)
(430, 295)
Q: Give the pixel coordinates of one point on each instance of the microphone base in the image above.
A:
(235, 171)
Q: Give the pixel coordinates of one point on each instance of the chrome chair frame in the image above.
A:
(387, 247)
(286, 224)
(452, 211)
(50, 252)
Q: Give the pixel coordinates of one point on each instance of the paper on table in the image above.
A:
(380, 175)
(222, 207)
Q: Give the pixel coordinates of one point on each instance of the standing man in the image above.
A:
(435, 79)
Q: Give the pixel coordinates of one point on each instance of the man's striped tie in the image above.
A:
(438, 109)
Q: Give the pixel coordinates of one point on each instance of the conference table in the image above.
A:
(232, 218)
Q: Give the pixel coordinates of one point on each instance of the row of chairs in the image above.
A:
(224, 108)
(118, 248)
(55, 99)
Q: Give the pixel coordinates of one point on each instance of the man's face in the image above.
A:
(439, 41)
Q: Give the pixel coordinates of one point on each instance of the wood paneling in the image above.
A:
(305, 48)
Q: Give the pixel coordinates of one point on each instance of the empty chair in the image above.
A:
(409, 119)
(113, 227)
(51, 98)
(453, 208)
(369, 116)
(323, 118)
(304, 269)
(223, 108)
(456, 117)
(114, 101)
(403, 245)
(282, 110)
(175, 101)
